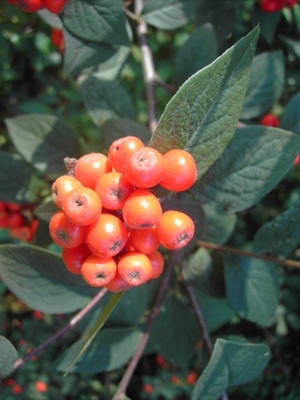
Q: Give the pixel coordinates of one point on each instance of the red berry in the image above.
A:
(55, 6)
(269, 120)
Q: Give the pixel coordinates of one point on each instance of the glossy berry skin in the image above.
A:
(179, 171)
(64, 233)
(142, 210)
(121, 149)
(62, 186)
(144, 168)
(107, 236)
(113, 189)
(157, 263)
(82, 206)
(74, 258)
(97, 271)
(135, 268)
(55, 6)
(144, 240)
(175, 230)
(269, 120)
(30, 6)
(90, 167)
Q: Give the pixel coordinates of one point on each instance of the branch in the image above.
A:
(61, 332)
(213, 246)
(148, 65)
(120, 393)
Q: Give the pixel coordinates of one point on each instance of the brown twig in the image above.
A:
(148, 65)
(169, 88)
(61, 332)
(213, 246)
(120, 393)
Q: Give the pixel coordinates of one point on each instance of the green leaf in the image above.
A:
(114, 129)
(266, 84)
(51, 19)
(111, 348)
(290, 118)
(105, 100)
(203, 114)
(174, 334)
(90, 335)
(198, 267)
(280, 236)
(218, 224)
(169, 14)
(96, 20)
(197, 52)
(253, 163)
(268, 22)
(252, 288)
(44, 141)
(45, 210)
(231, 364)
(17, 182)
(7, 358)
(81, 54)
(40, 279)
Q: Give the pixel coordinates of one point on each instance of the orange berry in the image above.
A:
(144, 240)
(117, 284)
(62, 186)
(23, 233)
(175, 229)
(142, 209)
(40, 386)
(147, 388)
(121, 149)
(17, 389)
(82, 206)
(191, 378)
(157, 262)
(144, 168)
(179, 171)
(15, 219)
(64, 233)
(135, 268)
(74, 258)
(90, 167)
(55, 6)
(98, 271)
(113, 189)
(269, 120)
(107, 236)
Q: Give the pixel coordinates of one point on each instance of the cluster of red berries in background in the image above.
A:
(272, 120)
(32, 6)
(110, 224)
(19, 220)
(57, 39)
(276, 5)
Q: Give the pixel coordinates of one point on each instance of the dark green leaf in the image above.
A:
(175, 333)
(51, 19)
(110, 349)
(290, 118)
(81, 54)
(96, 20)
(105, 100)
(44, 141)
(253, 163)
(114, 129)
(280, 236)
(218, 224)
(265, 85)
(46, 210)
(203, 114)
(197, 52)
(40, 279)
(198, 266)
(169, 14)
(252, 288)
(231, 364)
(293, 46)
(17, 183)
(268, 22)
(8, 356)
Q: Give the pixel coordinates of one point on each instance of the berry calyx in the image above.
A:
(98, 271)
(135, 268)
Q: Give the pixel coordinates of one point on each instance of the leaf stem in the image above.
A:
(61, 332)
(148, 65)
(120, 393)
(275, 260)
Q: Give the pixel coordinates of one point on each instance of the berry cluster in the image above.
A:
(32, 6)
(276, 5)
(110, 224)
(57, 39)
(19, 220)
